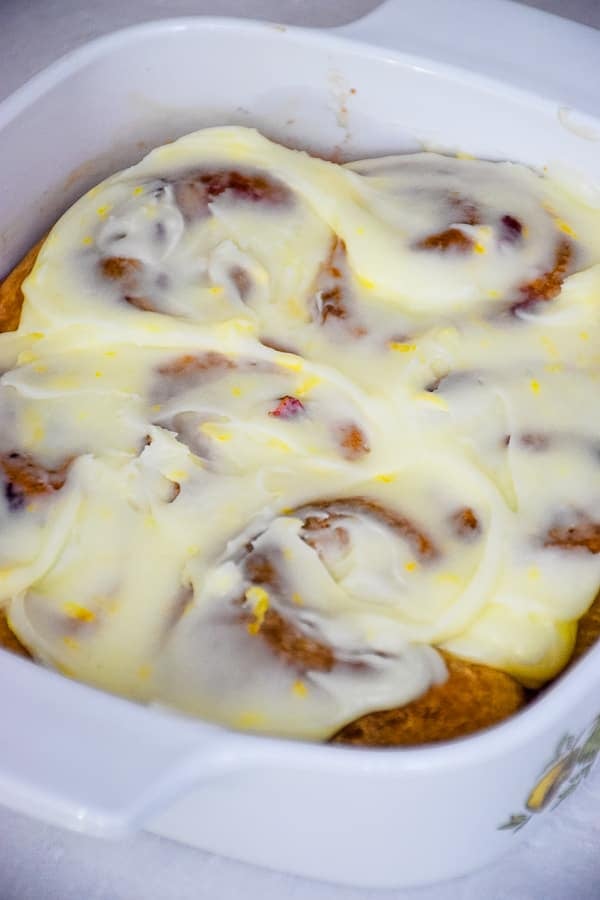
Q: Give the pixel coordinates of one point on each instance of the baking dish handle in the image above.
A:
(103, 770)
(530, 49)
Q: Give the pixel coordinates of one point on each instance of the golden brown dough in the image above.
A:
(7, 639)
(472, 698)
(11, 301)
(588, 630)
(11, 295)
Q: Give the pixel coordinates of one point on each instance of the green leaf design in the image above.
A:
(564, 745)
(591, 746)
(566, 792)
(515, 823)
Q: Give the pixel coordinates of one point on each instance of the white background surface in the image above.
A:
(561, 861)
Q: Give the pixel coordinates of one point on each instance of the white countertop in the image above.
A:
(561, 861)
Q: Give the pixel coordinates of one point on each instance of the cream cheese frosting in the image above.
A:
(274, 429)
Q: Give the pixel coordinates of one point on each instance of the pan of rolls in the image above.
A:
(307, 450)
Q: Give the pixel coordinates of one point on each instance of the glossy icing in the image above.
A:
(337, 410)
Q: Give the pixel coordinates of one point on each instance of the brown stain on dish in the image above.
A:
(82, 172)
(90, 172)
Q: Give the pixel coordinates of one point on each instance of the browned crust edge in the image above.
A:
(11, 295)
(472, 698)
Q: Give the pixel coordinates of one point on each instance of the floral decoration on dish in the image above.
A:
(572, 762)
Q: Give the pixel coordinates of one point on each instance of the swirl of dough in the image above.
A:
(471, 234)
(337, 602)
(240, 412)
(303, 656)
(184, 246)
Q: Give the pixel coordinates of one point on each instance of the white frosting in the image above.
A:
(385, 487)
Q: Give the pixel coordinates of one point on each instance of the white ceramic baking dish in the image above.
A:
(87, 760)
